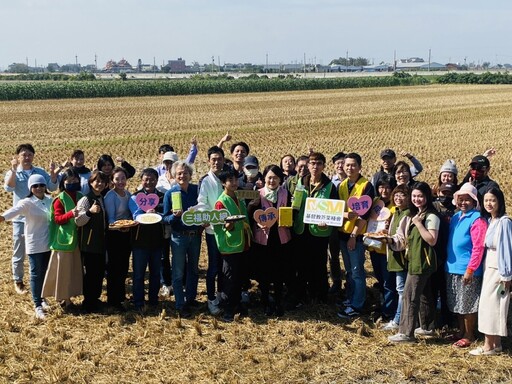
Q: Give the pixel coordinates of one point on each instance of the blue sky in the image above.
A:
(246, 31)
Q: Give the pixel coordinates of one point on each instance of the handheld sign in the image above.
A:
(214, 217)
(327, 211)
(247, 194)
(360, 205)
(176, 201)
(285, 216)
(380, 212)
(267, 217)
(147, 202)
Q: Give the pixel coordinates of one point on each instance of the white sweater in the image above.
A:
(37, 222)
(211, 189)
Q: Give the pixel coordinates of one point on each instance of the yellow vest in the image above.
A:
(357, 191)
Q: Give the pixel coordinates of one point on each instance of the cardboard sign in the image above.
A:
(360, 205)
(326, 211)
(176, 201)
(267, 217)
(147, 202)
(285, 216)
(247, 194)
(214, 217)
(380, 212)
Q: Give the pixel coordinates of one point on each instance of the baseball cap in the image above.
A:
(387, 153)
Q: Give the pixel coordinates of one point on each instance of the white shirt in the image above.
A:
(37, 222)
(211, 189)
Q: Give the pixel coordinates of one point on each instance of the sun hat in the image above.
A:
(388, 153)
(170, 156)
(449, 166)
(480, 160)
(36, 179)
(467, 189)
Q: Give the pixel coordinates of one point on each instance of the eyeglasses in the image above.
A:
(38, 186)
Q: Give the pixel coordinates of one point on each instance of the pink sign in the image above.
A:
(376, 208)
(267, 217)
(360, 205)
(147, 202)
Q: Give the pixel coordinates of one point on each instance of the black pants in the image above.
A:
(94, 271)
(312, 266)
(118, 251)
(271, 269)
(234, 271)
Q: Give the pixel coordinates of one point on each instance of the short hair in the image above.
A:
(317, 156)
(385, 179)
(25, 147)
(241, 144)
(119, 169)
(498, 193)
(149, 172)
(276, 170)
(284, 157)
(103, 160)
(403, 164)
(338, 156)
(402, 188)
(215, 149)
(355, 156)
(227, 174)
(182, 164)
(98, 175)
(302, 158)
(66, 175)
(165, 148)
(76, 153)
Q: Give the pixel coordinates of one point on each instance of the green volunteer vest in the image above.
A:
(421, 256)
(64, 237)
(230, 242)
(315, 230)
(396, 259)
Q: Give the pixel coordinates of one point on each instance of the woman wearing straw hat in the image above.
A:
(463, 266)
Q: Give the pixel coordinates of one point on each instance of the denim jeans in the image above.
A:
(386, 282)
(38, 265)
(165, 271)
(18, 245)
(356, 275)
(185, 254)
(400, 284)
(214, 267)
(141, 258)
(334, 258)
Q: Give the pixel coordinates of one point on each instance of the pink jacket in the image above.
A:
(260, 234)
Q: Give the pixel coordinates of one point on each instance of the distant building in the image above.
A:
(177, 66)
(118, 67)
(419, 66)
(53, 67)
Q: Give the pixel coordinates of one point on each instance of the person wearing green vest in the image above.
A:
(64, 275)
(233, 239)
(418, 237)
(351, 239)
(312, 240)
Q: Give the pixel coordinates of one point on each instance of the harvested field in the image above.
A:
(307, 346)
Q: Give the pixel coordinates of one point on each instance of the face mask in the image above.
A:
(476, 174)
(74, 187)
(445, 200)
(251, 172)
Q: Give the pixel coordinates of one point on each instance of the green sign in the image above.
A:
(213, 217)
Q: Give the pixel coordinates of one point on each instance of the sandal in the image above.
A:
(462, 343)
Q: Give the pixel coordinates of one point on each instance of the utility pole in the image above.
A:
(266, 63)
(304, 64)
(96, 62)
(429, 53)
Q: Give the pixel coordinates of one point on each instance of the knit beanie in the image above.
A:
(449, 166)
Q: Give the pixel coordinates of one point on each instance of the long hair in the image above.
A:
(496, 192)
(424, 188)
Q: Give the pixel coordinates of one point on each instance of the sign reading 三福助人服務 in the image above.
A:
(324, 211)
(214, 217)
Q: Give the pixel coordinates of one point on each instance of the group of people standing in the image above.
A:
(447, 243)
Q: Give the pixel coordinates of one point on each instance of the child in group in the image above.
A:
(233, 241)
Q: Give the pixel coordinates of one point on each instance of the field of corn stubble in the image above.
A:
(310, 346)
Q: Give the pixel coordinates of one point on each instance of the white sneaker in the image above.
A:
(245, 299)
(40, 313)
(389, 326)
(423, 332)
(165, 291)
(213, 307)
(45, 305)
(401, 338)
